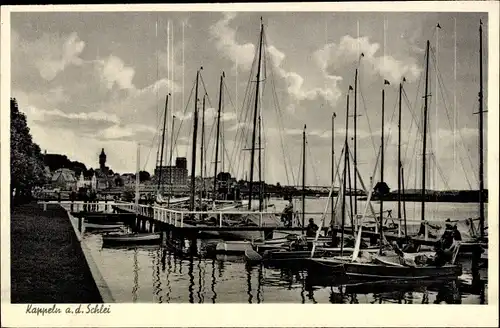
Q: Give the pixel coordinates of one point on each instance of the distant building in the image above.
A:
(64, 179)
(175, 175)
(104, 179)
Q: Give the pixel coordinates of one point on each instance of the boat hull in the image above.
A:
(97, 226)
(140, 238)
(381, 271)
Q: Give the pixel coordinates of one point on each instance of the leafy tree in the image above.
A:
(26, 159)
(144, 176)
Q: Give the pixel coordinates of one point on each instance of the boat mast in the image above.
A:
(481, 108)
(303, 177)
(202, 189)
(260, 165)
(355, 142)
(217, 137)
(160, 184)
(424, 143)
(382, 170)
(195, 131)
(346, 152)
(170, 161)
(404, 206)
(333, 167)
(252, 157)
(399, 150)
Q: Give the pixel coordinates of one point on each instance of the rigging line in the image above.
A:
(444, 96)
(184, 114)
(315, 172)
(281, 129)
(241, 121)
(367, 119)
(278, 111)
(441, 173)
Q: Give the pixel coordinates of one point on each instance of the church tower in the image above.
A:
(102, 160)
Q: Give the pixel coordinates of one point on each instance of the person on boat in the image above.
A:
(287, 214)
(456, 233)
(311, 228)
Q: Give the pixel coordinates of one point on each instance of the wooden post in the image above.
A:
(220, 219)
(80, 223)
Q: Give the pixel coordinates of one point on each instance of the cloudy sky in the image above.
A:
(98, 80)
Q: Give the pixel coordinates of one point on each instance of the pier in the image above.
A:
(149, 218)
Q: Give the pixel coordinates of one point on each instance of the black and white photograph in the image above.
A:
(225, 154)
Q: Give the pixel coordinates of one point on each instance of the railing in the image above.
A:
(177, 217)
(76, 206)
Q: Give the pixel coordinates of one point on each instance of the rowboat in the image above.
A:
(132, 238)
(387, 270)
(102, 226)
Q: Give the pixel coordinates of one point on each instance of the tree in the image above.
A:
(144, 176)
(26, 159)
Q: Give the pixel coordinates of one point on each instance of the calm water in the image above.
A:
(155, 274)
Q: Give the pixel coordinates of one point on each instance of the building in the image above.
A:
(105, 180)
(175, 175)
(64, 179)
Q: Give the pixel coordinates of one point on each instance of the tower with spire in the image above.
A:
(102, 161)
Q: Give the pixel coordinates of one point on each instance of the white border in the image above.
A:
(220, 315)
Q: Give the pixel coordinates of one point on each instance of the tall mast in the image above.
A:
(260, 165)
(214, 193)
(255, 114)
(170, 161)
(404, 206)
(355, 140)
(399, 150)
(424, 143)
(481, 108)
(333, 167)
(304, 177)
(160, 184)
(195, 131)
(346, 151)
(382, 170)
(202, 189)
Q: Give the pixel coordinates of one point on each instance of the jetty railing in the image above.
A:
(177, 218)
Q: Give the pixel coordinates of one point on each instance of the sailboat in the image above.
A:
(398, 266)
(258, 217)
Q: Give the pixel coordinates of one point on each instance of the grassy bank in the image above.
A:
(47, 262)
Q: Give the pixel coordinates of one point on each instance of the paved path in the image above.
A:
(47, 262)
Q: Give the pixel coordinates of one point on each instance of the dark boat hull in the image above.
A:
(379, 271)
(132, 239)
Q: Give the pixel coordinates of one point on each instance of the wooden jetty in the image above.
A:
(148, 218)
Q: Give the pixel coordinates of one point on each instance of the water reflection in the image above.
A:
(214, 297)
(191, 280)
(260, 275)
(156, 277)
(282, 283)
(201, 275)
(249, 283)
(136, 277)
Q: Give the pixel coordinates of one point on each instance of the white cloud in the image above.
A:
(225, 41)
(38, 114)
(332, 57)
(51, 53)
(113, 71)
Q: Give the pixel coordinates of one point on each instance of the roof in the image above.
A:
(65, 174)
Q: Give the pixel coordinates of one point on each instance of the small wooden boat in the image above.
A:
(97, 226)
(233, 247)
(371, 270)
(132, 238)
